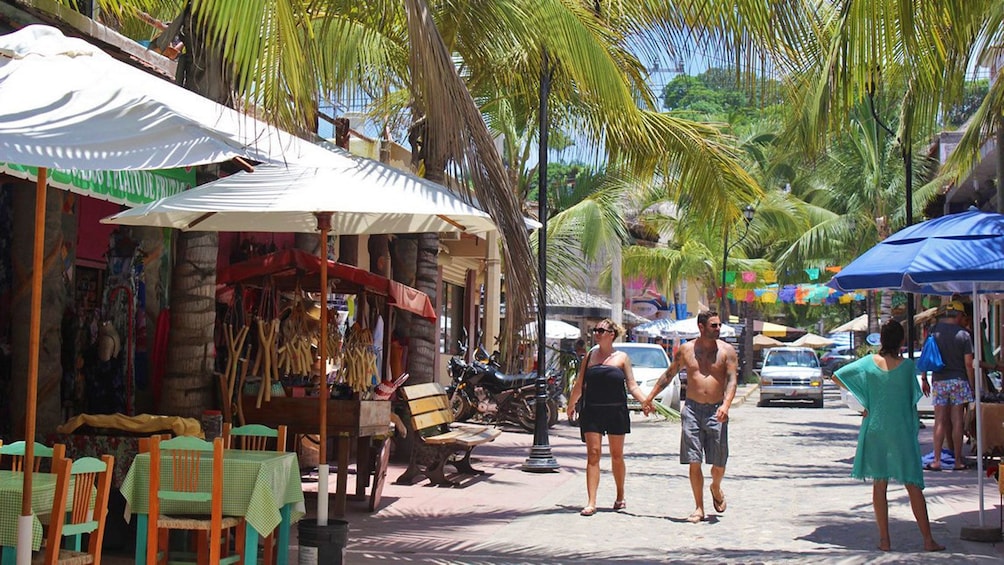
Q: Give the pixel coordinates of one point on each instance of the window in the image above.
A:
(451, 318)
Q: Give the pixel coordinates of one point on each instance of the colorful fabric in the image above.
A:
(887, 443)
(953, 392)
(122, 448)
(256, 485)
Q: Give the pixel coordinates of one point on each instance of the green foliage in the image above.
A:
(975, 92)
(717, 94)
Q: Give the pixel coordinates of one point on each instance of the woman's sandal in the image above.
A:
(587, 511)
(620, 504)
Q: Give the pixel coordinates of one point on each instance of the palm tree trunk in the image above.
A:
(189, 386)
(188, 377)
(54, 298)
(424, 341)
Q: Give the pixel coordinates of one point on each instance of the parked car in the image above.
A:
(836, 358)
(648, 362)
(791, 373)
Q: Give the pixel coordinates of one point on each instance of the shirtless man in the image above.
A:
(711, 366)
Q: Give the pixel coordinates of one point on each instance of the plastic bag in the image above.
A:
(930, 356)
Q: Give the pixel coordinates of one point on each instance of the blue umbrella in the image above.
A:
(957, 253)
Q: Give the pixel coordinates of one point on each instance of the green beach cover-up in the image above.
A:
(888, 447)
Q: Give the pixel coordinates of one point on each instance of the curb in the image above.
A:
(749, 390)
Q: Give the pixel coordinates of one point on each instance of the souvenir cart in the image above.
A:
(271, 374)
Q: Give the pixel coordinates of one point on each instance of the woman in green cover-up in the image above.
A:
(888, 448)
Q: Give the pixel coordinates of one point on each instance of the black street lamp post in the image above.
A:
(541, 459)
(748, 212)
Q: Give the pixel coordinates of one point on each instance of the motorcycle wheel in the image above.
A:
(462, 407)
(526, 416)
(553, 411)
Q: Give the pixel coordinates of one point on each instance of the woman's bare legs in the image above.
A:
(616, 446)
(919, 505)
(881, 505)
(594, 444)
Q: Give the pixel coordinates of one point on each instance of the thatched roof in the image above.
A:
(564, 300)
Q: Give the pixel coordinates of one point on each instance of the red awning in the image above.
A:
(288, 269)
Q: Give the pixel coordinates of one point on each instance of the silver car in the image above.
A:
(791, 373)
(648, 362)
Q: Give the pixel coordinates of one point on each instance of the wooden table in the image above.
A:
(348, 420)
(261, 486)
(992, 421)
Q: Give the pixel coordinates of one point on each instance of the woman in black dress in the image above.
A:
(604, 380)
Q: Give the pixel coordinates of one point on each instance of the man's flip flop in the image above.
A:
(928, 467)
(720, 504)
(695, 517)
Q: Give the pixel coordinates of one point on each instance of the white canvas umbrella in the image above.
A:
(687, 329)
(859, 324)
(67, 104)
(554, 330)
(813, 341)
(366, 197)
(361, 197)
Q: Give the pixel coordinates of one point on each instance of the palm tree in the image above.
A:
(418, 58)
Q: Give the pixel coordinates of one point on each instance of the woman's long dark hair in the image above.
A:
(891, 338)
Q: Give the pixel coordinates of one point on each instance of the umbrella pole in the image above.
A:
(324, 226)
(24, 523)
(982, 533)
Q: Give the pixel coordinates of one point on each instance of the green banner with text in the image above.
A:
(131, 188)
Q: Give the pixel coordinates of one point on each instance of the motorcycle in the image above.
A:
(480, 390)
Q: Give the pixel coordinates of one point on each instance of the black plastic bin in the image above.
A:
(323, 545)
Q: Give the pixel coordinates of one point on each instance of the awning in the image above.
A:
(288, 269)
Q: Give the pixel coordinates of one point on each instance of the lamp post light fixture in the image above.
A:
(748, 213)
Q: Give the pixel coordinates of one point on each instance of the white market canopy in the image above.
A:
(69, 105)
(364, 196)
(553, 330)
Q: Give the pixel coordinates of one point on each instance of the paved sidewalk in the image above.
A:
(790, 497)
(790, 500)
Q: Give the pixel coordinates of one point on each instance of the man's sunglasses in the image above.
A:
(714, 325)
(602, 331)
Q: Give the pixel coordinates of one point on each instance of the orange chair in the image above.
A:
(85, 517)
(184, 465)
(257, 437)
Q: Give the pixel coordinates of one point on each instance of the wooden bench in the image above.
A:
(438, 439)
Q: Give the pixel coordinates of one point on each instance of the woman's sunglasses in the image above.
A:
(602, 331)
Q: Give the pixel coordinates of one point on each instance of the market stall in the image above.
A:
(270, 339)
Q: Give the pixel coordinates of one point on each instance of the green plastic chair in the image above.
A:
(16, 452)
(254, 437)
(87, 514)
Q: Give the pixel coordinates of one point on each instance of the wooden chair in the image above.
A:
(186, 455)
(85, 517)
(254, 437)
(16, 453)
(257, 437)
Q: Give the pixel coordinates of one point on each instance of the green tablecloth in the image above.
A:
(256, 484)
(43, 489)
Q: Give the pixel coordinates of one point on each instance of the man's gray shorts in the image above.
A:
(702, 433)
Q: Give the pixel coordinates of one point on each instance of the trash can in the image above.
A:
(212, 424)
(322, 545)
